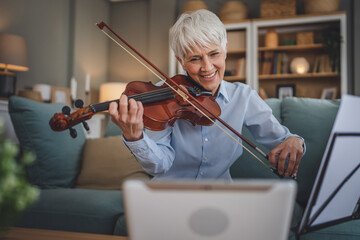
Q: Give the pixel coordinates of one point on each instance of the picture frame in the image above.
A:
(285, 90)
(60, 95)
(329, 93)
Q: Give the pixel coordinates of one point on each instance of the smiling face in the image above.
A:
(206, 66)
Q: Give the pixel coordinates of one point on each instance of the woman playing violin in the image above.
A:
(198, 152)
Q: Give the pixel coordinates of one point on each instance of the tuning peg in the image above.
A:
(86, 126)
(66, 110)
(79, 103)
(73, 132)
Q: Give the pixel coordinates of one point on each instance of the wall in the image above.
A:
(145, 25)
(62, 40)
(129, 20)
(45, 26)
(90, 45)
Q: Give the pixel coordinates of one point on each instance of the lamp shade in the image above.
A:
(13, 53)
(111, 91)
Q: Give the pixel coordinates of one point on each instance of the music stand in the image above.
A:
(336, 194)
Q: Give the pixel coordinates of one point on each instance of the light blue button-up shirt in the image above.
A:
(200, 152)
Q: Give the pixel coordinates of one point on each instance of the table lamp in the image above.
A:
(13, 57)
(111, 91)
(299, 65)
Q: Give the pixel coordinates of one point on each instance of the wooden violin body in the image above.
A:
(162, 106)
(162, 114)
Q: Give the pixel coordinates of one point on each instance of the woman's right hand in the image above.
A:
(128, 116)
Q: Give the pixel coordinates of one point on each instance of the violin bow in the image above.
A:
(187, 96)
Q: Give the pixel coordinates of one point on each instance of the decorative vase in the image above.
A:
(271, 38)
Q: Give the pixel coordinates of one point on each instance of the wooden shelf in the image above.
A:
(237, 51)
(292, 47)
(234, 79)
(307, 75)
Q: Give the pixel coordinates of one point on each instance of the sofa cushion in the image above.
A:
(57, 154)
(112, 130)
(344, 231)
(107, 163)
(275, 105)
(311, 119)
(75, 210)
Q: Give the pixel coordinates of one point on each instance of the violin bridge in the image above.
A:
(183, 94)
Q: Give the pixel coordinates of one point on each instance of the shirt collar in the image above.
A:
(223, 93)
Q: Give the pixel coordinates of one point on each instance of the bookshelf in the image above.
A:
(272, 71)
(245, 58)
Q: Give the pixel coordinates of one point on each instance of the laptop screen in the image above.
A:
(203, 210)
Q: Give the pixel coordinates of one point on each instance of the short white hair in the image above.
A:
(200, 28)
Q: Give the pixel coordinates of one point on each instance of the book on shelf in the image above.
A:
(267, 62)
(322, 64)
(274, 63)
(241, 67)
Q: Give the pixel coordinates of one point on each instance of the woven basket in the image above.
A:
(304, 38)
(233, 11)
(277, 8)
(320, 6)
(190, 6)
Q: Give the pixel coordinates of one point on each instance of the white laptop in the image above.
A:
(186, 210)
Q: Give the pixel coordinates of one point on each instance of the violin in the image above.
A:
(176, 99)
(162, 106)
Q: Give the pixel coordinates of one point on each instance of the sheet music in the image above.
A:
(344, 157)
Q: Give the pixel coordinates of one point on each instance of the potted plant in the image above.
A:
(15, 192)
(331, 39)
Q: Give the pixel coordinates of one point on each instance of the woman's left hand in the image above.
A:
(291, 148)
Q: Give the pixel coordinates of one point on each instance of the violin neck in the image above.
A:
(144, 98)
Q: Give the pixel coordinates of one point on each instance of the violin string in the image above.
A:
(151, 94)
(138, 97)
(177, 91)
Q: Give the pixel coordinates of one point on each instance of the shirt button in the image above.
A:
(205, 158)
(206, 139)
(201, 173)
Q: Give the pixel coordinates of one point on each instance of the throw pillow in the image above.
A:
(57, 153)
(107, 163)
(112, 129)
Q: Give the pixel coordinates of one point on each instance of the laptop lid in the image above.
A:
(209, 210)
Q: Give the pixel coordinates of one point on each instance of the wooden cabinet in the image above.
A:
(300, 37)
(238, 54)
(267, 66)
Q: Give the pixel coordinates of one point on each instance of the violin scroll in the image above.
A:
(66, 119)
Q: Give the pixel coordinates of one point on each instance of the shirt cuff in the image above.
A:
(139, 146)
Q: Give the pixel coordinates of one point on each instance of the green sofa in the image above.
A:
(64, 205)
